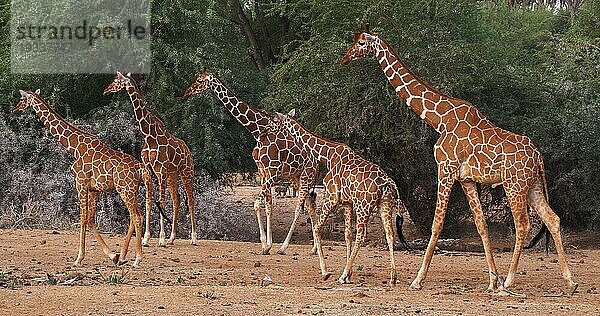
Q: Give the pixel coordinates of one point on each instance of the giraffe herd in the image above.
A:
(470, 150)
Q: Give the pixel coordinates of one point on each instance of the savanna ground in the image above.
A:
(224, 277)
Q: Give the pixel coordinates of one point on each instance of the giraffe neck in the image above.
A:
(420, 97)
(256, 121)
(320, 148)
(68, 135)
(144, 117)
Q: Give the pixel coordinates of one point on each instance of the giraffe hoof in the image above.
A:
(122, 263)
(573, 288)
(415, 286)
(281, 252)
(265, 252)
(170, 241)
(344, 280)
(326, 276)
(506, 292)
(194, 242)
(115, 259)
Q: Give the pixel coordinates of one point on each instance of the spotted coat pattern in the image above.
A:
(276, 155)
(471, 150)
(353, 183)
(97, 168)
(164, 154)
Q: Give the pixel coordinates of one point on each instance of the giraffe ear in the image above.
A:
(37, 91)
(121, 76)
(128, 74)
(367, 28)
(291, 113)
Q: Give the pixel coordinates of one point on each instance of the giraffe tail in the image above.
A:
(401, 211)
(544, 232)
(146, 174)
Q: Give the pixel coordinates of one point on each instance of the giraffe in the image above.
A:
(353, 183)
(471, 150)
(97, 168)
(167, 156)
(276, 155)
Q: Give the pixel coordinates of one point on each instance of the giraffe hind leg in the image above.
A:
(176, 200)
(149, 187)
(188, 187)
(540, 205)
(386, 213)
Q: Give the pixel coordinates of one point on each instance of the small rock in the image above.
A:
(257, 264)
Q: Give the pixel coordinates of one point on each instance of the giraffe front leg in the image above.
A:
(300, 204)
(444, 187)
(470, 190)
(345, 278)
(326, 209)
(265, 197)
(361, 233)
(83, 206)
(269, 223)
(91, 220)
(149, 187)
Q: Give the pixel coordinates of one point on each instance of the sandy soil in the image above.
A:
(223, 278)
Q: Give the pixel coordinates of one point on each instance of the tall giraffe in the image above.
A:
(471, 150)
(354, 184)
(97, 168)
(276, 155)
(166, 155)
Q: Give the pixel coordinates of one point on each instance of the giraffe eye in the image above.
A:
(361, 43)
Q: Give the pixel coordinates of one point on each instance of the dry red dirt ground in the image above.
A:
(223, 278)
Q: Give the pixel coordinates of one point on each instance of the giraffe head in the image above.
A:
(363, 46)
(26, 100)
(282, 121)
(119, 83)
(200, 84)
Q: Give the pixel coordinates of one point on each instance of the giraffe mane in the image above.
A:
(317, 136)
(68, 123)
(418, 78)
(262, 111)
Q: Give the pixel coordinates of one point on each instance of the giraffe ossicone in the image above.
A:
(470, 150)
(276, 155)
(97, 168)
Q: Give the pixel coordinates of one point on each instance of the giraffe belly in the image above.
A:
(483, 174)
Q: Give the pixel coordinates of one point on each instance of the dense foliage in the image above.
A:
(532, 71)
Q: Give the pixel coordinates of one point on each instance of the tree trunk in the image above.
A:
(255, 52)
